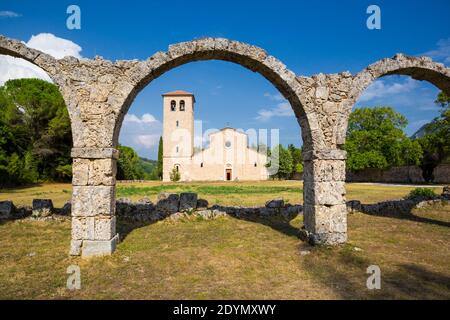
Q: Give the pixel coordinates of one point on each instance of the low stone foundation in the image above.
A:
(404, 174)
(174, 207)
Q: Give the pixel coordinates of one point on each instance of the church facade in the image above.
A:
(226, 158)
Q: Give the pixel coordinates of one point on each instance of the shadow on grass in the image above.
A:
(400, 209)
(14, 189)
(279, 222)
(344, 272)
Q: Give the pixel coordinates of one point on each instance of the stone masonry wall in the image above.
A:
(405, 174)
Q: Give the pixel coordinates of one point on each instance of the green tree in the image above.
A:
(174, 175)
(34, 131)
(160, 159)
(297, 159)
(375, 139)
(283, 157)
(436, 139)
(129, 165)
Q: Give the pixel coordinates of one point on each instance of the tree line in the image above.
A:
(36, 139)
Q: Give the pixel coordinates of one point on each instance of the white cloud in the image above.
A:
(381, 89)
(14, 68)
(282, 109)
(146, 118)
(274, 97)
(54, 46)
(141, 133)
(442, 52)
(147, 140)
(9, 14)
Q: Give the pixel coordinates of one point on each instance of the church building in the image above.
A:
(226, 158)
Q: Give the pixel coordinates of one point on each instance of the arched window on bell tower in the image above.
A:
(182, 106)
(173, 105)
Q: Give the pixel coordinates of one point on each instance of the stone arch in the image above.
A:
(418, 68)
(248, 56)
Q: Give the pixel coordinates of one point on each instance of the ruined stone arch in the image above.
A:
(418, 68)
(248, 56)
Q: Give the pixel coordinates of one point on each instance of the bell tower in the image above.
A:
(178, 131)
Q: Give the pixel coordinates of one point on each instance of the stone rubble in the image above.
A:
(42, 208)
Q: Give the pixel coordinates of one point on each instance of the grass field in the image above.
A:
(223, 193)
(228, 258)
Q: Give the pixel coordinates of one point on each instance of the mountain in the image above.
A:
(148, 165)
(421, 132)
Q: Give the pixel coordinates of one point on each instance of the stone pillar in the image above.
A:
(325, 213)
(94, 201)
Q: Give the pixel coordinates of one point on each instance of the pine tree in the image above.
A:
(160, 158)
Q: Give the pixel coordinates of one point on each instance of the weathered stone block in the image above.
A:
(80, 172)
(42, 208)
(105, 228)
(202, 204)
(319, 219)
(7, 209)
(324, 170)
(103, 172)
(188, 201)
(83, 228)
(95, 153)
(94, 172)
(325, 154)
(324, 193)
(75, 247)
(275, 203)
(98, 248)
(168, 202)
(66, 210)
(353, 206)
(89, 201)
(265, 212)
(93, 228)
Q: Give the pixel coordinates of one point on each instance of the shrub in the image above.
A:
(175, 175)
(422, 192)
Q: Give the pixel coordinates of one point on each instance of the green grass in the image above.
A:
(229, 258)
(222, 193)
(202, 190)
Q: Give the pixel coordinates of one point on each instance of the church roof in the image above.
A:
(178, 93)
(228, 128)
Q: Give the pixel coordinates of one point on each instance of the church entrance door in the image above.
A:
(228, 174)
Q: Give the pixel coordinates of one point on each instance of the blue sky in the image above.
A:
(308, 36)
